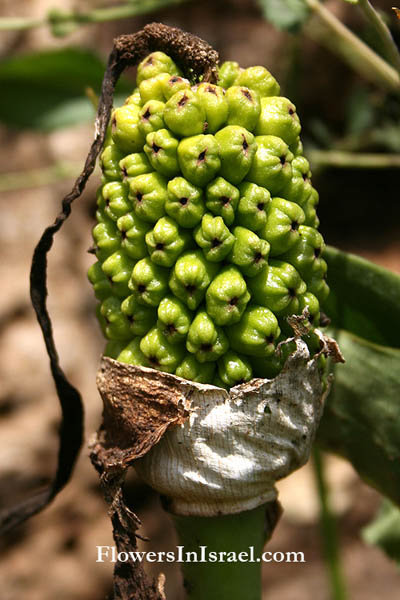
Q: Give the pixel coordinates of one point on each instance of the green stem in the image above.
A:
(245, 532)
(351, 160)
(331, 32)
(329, 531)
(76, 18)
(38, 177)
(382, 31)
(18, 24)
(114, 13)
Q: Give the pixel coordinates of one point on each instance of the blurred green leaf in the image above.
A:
(321, 133)
(360, 111)
(285, 14)
(361, 420)
(364, 298)
(387, 136)
(351, 1)
(384, 530)
(46, 90)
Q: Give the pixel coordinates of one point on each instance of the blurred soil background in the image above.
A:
(53, 556)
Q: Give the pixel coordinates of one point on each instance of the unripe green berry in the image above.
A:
(253, 204)
(282, 227)
(118, 268)
(133, 165)
(213, 236)
(206, 341)
(249, 252)
(306, 301)
(126, 133)
(160, 354)
(237, 149)
(148, 194)
(153, 88)
(165, 242)
(310, 302)
(133, 231)
(116, 325)
(132, 355)
(305, 254)
(185, 202)
(109, 162)
(256, 333)
(299, 188)
(217, 381)
(174, 84)
(317, 285)
(113, 199)
(296, 148)
(107, 239)
(151, 117)
(161, 149)
(271, 166)
(134, 98)
(141, 318)
(191, 276)
(227, 73)
(174, 319)
(184, 114)
(244, 107)
(227, 296)
(222, 199)
(102, 285)
(149, 282)
(114, 348)
(278, 117)
(309, 209)
(198, 158)
(234, 369)
(271, 366)
(278, 288)
(260, 80)
(155, 63)
(318, 268)
(215, 106)
(191, 368)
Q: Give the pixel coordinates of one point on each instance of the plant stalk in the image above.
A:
(19, 23)
(329, 531)
(382, 31)
(246, 532)
(328, 30)
(76, 18)
(351, 160)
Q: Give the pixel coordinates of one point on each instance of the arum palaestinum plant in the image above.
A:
(362, 305)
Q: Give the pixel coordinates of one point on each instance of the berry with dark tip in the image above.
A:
(244, 107)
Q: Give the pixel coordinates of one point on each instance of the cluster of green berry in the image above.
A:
(207, 231)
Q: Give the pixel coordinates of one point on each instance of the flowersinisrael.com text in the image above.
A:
(202, 555)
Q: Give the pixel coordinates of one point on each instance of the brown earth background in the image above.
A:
(53, 555)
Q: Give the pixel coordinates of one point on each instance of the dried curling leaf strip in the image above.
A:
(227, 449)
(195, 57)
(139, 405)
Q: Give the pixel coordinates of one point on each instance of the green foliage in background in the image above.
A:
(285, 14)
(384, 531)
(46, 90)
(361, 420)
